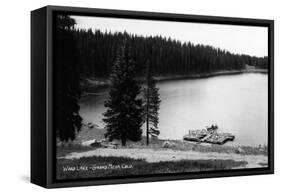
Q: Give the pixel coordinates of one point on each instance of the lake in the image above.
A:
(236, 103)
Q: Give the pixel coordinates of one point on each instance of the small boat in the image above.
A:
(195, 135)
(220, 138)
(191, 138)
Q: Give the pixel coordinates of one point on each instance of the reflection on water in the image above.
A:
(237, 103)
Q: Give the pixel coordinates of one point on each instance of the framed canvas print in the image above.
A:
(126, 96)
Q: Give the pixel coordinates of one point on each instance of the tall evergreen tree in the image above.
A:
(152, 103)
(67, 80)
(123, 116)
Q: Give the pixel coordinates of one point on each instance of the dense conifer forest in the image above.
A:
(97, 52)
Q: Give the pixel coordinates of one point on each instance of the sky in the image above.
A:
(251, 40)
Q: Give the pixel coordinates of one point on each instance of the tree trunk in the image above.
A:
(147, 118)
(123, 141)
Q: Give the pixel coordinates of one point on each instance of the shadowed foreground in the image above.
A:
(97, 166)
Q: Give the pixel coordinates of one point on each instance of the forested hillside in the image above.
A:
(97, 52)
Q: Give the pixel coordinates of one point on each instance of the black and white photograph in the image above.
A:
(135, 97)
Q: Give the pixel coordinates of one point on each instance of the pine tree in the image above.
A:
(152, 103)
(123, 116)
(67, 80)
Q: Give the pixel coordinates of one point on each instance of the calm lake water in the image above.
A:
(236, 103)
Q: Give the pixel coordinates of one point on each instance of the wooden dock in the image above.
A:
(209, 135)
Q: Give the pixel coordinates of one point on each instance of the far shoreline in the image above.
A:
(99, 83)
(208, 75)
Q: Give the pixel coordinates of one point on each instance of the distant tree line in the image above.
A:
(97, 53)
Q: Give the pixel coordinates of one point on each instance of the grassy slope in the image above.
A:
(98, 133)
(140, 166)
(120, 166)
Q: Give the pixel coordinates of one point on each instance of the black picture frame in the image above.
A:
(43, 166)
